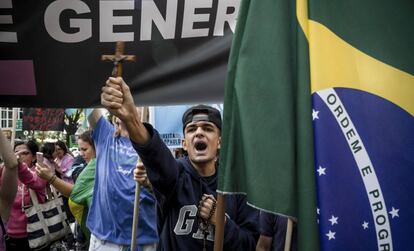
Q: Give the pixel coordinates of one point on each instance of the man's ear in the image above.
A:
(184, 144)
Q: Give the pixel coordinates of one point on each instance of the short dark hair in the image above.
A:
(62, 146)
(31, 145)
(48, 149)
(213, 115)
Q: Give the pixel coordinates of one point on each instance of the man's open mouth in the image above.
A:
(200, 146)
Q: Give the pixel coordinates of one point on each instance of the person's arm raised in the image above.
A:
(95, 115)
(6, 151)
(9, 177)
(117, 98)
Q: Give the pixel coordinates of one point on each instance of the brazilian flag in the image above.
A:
(362, 80)
(267, 145)
(318, 119)
(81, 197)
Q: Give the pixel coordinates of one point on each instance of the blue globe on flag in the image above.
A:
(364, 162)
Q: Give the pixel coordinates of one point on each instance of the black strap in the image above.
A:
(2, 227)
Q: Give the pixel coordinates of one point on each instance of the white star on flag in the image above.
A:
(321, 171)
(331, 235)
(318, 210)
(365, 225)
(394, 212)
(333, 220)
(315, 114)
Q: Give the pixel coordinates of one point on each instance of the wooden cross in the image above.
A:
(118, 58)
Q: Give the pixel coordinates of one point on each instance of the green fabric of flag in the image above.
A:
(267, 144)
(81, 196)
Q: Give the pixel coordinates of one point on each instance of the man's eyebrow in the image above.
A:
(206, 124)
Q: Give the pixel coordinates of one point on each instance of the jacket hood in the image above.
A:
(189, 168)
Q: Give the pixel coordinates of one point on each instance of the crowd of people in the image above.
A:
(177, 200)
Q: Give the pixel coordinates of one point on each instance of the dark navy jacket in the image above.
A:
(178, 189)
(275, 226)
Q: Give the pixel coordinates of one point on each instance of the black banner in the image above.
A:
(50, 51)
(43, 119)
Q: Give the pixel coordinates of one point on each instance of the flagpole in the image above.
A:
(288, 239)
(144, 113)
(14, 125)
(135, 217)
(220, 221)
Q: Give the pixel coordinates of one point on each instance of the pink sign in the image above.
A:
(17, 77)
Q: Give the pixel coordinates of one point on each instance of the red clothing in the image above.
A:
(16, 226)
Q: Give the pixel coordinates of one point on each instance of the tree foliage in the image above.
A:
(72, 124)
